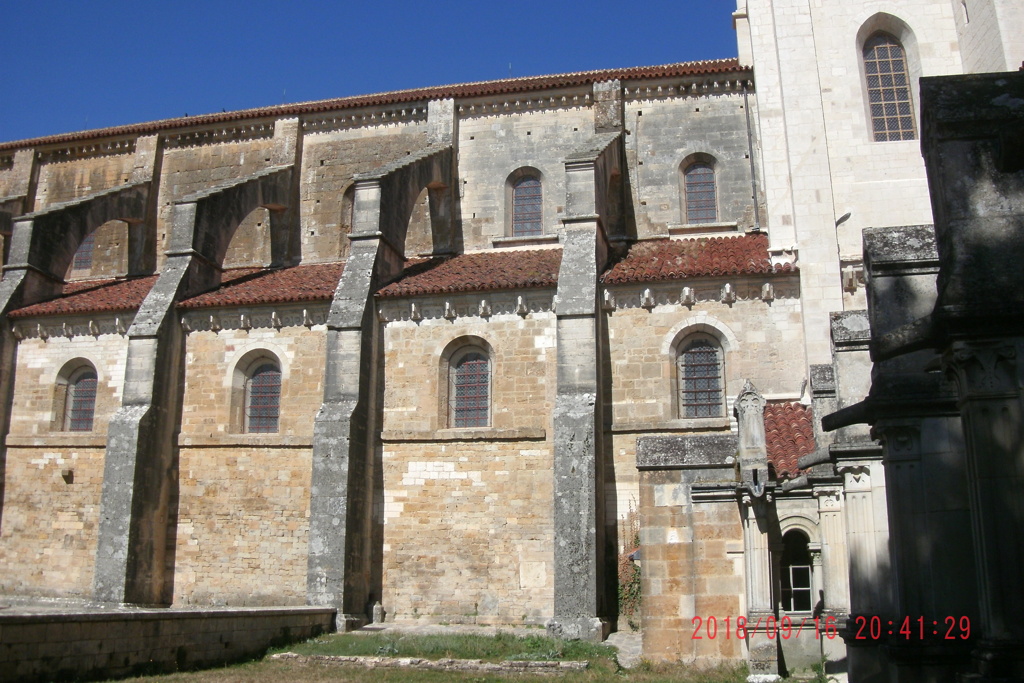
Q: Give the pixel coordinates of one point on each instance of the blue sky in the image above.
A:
(77, 65)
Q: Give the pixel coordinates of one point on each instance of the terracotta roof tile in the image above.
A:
(677, 259)
(93, 296)
(477, 272)
(789, 432)
(477, 89)
(251, 286)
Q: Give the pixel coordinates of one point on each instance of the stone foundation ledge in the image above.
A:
(476, 665)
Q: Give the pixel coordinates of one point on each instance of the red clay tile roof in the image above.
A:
(93, 296)
(677, 259)
(479, 272)
(251, 286)
(477, 89)
(789, 432)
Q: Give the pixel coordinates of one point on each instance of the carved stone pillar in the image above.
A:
(763, 657)
(989, 379)
(834, 562)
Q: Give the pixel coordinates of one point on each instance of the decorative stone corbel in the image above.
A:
(382, 316)
(767, 292)
(687, 297)
(608, 301)
(94, 329)
(41, 331)
(16, 331)
(120, 326)
(449, 311)
(485, 309)
(66, 330)
(307, 320)
(244, 322)
(185, 325)
(728, 294)
(521, 308)
(214, 324)
(275, 320)
(414, 313)
(647, 300)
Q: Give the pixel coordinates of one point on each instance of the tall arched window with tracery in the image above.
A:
(888, 85)
(80, 402)
(469, 389)
(527, 207)
(701, 195)
(263, 398)
(700, 377)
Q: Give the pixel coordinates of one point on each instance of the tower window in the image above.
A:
(885, 67)
(527, 207)
(469, 391)
(700, 378)
(701, 199)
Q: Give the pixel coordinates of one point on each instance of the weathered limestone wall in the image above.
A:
(692, 567)
(54, 478)
(212, 402)
(109, 253)
(329, 161)
(194, 168)
(666, 135)
(522, 371)
(243, 525)
(988, 41)
(468, 519)
(468, 531)
(243, 506)
(62, 181)
(759, 339)
(491, 147)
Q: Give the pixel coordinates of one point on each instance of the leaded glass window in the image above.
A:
(263, 399)
(526, 208)
(470, 390)
(699, 367)
(80, 402)
(701, 200)
(885, 67)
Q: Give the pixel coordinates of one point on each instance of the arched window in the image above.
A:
(527, 208)
(797, 590)
(889, 100)
(699, 188)
(469, 389)
(263, 398)
(700, 377)
(80, 401)
(83, 257)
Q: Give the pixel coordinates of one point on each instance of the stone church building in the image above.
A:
(434, 348)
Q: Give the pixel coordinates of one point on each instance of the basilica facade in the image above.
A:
(441, 349)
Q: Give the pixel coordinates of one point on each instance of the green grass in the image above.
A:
(502, 646)
(495, 648)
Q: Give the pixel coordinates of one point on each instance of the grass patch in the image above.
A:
(502, 646)
(495, 648)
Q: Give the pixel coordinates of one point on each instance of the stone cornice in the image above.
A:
(725, 290)
(86, 150)
(255, 317)
(371, 116)
(481, 306)
(689, 87)
(211, 135)
(71, 326)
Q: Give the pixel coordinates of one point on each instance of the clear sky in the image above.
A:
(81, 64)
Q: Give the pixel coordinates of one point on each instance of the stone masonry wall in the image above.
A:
(468, 520)
(243, 526)
(692, 567)
(66, 180)
(468, 531)
(212, 393)
(53, 477)
(329, 161)
(664, 135)
(491, 147)
(109, 253)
